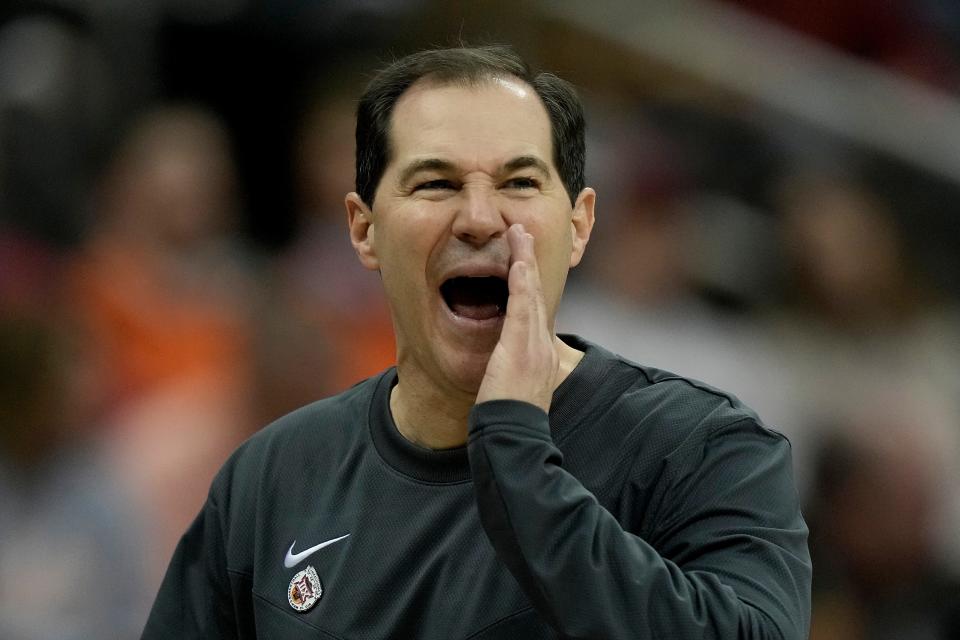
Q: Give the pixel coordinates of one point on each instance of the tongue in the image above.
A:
(475, 311)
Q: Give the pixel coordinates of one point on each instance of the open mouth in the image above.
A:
(476, 298)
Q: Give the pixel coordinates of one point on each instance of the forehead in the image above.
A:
(493, 120)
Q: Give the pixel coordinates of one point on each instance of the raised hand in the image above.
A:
(524, 365)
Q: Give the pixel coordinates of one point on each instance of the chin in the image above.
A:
(465, 370)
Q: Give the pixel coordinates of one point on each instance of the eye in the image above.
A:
(522, 183)
(434, 185)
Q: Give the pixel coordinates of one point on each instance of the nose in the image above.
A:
(479, 219)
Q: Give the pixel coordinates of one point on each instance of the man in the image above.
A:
(500, 482)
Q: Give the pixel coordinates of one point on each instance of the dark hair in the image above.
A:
(468, 66)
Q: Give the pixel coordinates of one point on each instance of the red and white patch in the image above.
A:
(304, 590)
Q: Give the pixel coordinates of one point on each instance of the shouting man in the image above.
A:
(501, 481)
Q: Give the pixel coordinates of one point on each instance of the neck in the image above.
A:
(427, 419)
(435, 417)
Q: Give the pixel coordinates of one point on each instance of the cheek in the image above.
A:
(553, 259)
(402, 272)
(553, 245)
(404, 250)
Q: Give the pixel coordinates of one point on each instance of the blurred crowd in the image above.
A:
(147, 327)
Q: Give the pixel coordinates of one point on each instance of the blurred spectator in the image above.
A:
(331, 323)
(860, 327)
(163, 296)
(162, 287)
(858, 315)
(846, 260)
(72, 563)
(57, 100)
(879, 490)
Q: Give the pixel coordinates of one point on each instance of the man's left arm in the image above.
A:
(727, 560)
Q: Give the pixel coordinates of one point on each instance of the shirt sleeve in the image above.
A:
(726, 556)
(195, 599)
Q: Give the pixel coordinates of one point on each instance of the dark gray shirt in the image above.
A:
(645, 506)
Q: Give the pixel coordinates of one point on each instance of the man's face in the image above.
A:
(466, 163)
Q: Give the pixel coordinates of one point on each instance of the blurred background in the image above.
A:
(778, 215)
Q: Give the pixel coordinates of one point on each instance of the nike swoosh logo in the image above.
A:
(294, 559)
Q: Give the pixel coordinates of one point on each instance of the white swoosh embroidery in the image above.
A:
(294, 559)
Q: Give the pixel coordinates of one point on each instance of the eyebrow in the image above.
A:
(426, 164)
(527, 162)
(436, 164)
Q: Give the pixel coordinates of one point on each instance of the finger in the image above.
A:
(519, 252)
(535, 284)
(534, 291)
(520, 300)
(517, 279)
(526, 307)
(526, 252)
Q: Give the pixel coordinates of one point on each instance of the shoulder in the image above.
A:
(693, 426)
(311, 437)
(663, 410)
(689, 401)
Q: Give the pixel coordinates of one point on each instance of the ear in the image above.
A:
(582, 224)
(360, 219)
